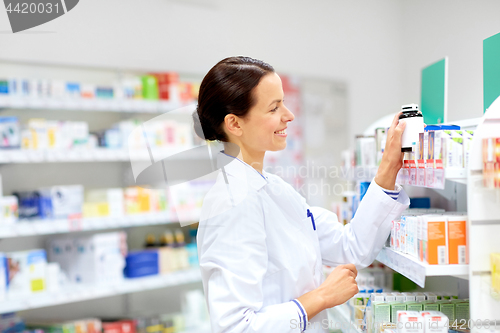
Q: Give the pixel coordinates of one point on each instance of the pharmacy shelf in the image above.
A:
(416, 270)
(58, 226)
(202, 329)
(367, 173)
(79, 293)
(339, 318)
(91, 104)
(87, 155)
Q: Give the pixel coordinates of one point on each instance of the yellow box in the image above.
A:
(495, 263)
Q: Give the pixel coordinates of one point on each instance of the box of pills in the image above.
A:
(448, 309)
(409, 322)
(60, 202)
(382, 313)
(416, 306)
(435, 240)
(395, 307)
(435, 322)
(457, 240)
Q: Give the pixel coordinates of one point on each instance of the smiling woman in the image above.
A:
(256, 276)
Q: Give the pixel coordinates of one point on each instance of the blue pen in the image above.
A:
(309, 214)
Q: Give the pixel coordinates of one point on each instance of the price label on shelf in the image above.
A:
(75, 223)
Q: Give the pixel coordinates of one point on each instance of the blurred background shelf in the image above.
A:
(85, 155)
(58, 226)
(91, 104)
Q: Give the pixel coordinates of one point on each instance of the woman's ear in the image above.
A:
(233, 124)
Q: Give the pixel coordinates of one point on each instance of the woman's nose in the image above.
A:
(288, 116)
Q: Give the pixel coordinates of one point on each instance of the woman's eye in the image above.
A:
(275, 109)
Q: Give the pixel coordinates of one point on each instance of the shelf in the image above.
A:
(47, 227)
(86, 155)
(94, 104)
(416, 270)
(78, 293)
(340, 318)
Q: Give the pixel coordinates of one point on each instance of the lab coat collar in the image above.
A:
(241, 171)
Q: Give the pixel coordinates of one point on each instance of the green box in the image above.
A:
(414, 306)
(430, 306)
(448, 308)
(382, 312)
(149, 87)
(462, 311)
(395, 307)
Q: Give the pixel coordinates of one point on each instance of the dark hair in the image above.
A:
(227, 89)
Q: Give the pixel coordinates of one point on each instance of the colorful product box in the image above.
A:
(60, 202)
(26, 272)
(435, 240)
(9, 210)
(409, 322)
(457, 240)
(435, 322)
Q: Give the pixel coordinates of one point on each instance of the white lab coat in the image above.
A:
(258, 250)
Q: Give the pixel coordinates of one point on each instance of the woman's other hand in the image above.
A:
(339, 286)
(392, 160)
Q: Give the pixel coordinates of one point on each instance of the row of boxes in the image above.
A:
(42, 134)
(24, 273)
(436, 239)
(165, 86)
(491, 162)
(96, 259)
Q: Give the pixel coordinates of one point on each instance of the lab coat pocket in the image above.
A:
(309, 240)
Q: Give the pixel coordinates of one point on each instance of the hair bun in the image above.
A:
(201, 128)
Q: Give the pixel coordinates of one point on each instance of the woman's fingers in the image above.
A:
(352, 268)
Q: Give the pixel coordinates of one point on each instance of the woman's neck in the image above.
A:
(252, 158)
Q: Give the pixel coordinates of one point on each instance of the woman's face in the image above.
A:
(264, 127)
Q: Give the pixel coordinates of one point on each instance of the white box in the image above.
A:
(410, 322)
(65, 201)
(26, 272)
(435, 322)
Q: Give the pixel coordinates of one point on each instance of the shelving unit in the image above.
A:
(79, 293)
(407, 265)
(75, 166)
(58, 226)
(417, 271)
(340, 315)
(484, 224)
(91, 104)
(84, 155)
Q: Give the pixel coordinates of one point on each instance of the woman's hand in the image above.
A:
(337, 289)
(392, 160)
(339, 286)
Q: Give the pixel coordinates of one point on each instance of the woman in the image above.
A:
(261, 247)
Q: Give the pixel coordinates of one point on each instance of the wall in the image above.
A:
(353, 41)
(456, 29)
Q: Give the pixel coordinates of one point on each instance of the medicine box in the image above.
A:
(457, 240)
(414, 306)
(60, 202)
(395, 307)
(409, 322)
(447, 308)
(435, 240)
(26, 272)
(435, 322)
(382, 312)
